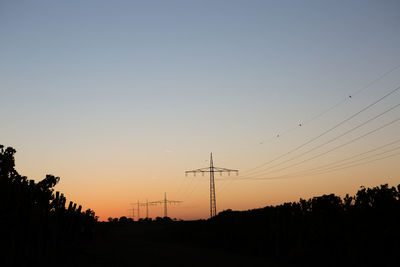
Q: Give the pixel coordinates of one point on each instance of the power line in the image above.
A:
(375, 81)
(342, 122)
(363, 163)
(350, 163)
(349, 96)
(323, 172)
(325, 132)
(337, 168)
(364, 158)
(329, 141)
(323, 167)
(354, 156)
(339, 146)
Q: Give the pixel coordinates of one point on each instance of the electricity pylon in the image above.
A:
(138, 209)
(165, 202)
(212, 170)
(133, 212)
(147, 203)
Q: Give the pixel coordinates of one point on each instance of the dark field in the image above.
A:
(272, 236)
(148, 244)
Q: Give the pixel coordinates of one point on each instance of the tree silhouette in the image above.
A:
(34, 222)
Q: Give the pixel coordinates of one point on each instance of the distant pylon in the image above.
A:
(147, 209)
(212, 170)
(138, 210)
(165, 201)
(165, 205)
(133, 212)
(147, 203)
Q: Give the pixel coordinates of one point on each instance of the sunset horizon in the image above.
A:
(119, 100)
(260, 129)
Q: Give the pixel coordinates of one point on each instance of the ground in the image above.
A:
(139, 245)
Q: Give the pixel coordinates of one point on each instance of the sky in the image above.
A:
(120, 98)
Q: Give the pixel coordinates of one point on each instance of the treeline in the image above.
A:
(124, 220)
(359, 230)
(36, 227)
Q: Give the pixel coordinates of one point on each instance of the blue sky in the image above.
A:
(178, 79)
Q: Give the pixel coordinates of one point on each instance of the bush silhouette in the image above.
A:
(35, 226)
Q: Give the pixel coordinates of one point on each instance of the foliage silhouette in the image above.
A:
(327, 230)
(35, 226)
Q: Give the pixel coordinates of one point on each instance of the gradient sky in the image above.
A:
(119, 98)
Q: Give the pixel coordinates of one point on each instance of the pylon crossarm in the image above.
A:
(174, 201)
(145, 204)
(217, 169)
(162, 202)
(157, 202)
(199, 170)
